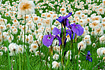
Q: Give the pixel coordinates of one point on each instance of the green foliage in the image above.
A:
(30, 61)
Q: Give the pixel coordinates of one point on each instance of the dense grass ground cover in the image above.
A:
(29, 61)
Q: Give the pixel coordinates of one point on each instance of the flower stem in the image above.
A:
(72, 50)
(39, 51)
(51, 54)
(62, 60)
(19, 62)
(25, 47)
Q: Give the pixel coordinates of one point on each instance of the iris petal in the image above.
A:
(76, 28)
(88, 56)
(68, 15)
(60, 19)
(60, 42)
(47, 40)
(56, 31)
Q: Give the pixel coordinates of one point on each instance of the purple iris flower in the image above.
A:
(56, 31)
(78, 29)
(48, 40)
(64, 20)
(59, 39)
(69, 31)
(88, 56)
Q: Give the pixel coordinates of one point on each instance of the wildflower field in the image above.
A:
(52, 34)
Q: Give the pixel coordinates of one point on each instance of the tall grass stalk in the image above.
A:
(28, 64)
(9, 62)
(19, 61)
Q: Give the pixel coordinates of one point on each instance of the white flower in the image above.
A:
(94, 24)
(83, 16)
(101, 10)
(102, 39)
(103, 20)
(4, 49)
(67, 54)
(48, 29)
(103, 26)
(26, 7)
(20, 49)
(54, 16)
(37, 53)
(7, 14)
(55, 56)
(85, 33)
(57, 49)
(88, 20)
(103, 51)
(1, 39)
(8, 25)
(82, 44)
(68, 38)
(47, 22)
(40, 37)
(48, 15)
(30, 37)
(5, 34)
(99, 51)
(103, 2)
(49, 58)
(34, 47)
(0, 2)
(88, 42)
(55, 42)
(13, 48)
(87, 28)
(14, 31)
(82, 22)
(31, 50)
(63, 10)
(55, 64)
(87, 37)
(94, 45)
(40, 30)
(78, 13)
(10, 38)
(98, 31)
(56, 22)
(1, 53)
(36, 19)
(43, 15)
(39, 24)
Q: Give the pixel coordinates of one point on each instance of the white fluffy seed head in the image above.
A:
(13, 47)
(26, 7)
